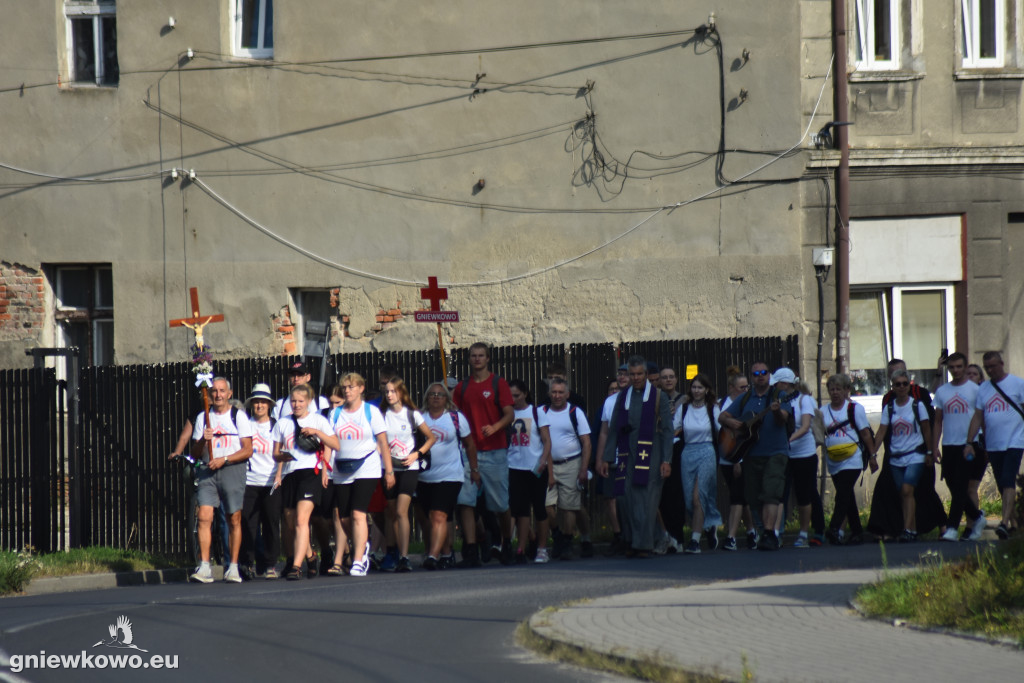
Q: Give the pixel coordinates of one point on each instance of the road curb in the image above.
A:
(87, 582)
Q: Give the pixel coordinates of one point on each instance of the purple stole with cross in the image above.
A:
(645, 440)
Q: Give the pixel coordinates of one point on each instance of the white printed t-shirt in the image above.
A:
(401, 437)
(524, 444)
(284, 434)
(446, 453)
(957, 406)
(262, 466)
(231, 435)
(358, 442)
(849, 433)
(904, 433)
(1004, 428)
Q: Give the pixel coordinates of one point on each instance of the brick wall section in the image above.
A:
(22, 302)
(386, 317)
(284, 331)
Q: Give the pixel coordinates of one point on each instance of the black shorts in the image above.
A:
(440, 496)
(354, 497)
(734, 484)
(953, 462)
(405, 482)
(525, 491)
(326, 507)
(302, 485)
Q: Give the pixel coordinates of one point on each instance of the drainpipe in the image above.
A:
(842, 189)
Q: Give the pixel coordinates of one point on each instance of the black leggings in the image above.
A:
(846, 502)
(805, 485)
(261, 509)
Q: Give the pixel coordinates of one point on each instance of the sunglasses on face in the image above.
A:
(759, 373)
(901, 384)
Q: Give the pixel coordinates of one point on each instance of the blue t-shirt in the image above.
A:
(773, 438)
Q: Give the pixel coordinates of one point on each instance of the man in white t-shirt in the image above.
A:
(998, 408)
(954, 406)
(570, 455)
(224, 446)
(298, 374)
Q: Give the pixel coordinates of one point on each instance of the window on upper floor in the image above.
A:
(85, 311)
(983, 32)
(91, 30)
(878, 35)
(254, 28)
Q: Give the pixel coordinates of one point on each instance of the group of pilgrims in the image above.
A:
(335, 483)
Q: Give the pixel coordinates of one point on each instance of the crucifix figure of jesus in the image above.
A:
(196, 323)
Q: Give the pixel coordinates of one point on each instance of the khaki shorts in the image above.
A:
(566, 493)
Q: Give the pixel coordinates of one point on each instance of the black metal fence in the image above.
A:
(120, 490)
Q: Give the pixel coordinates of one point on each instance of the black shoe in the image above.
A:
(752, 539)
(769, 541)
(856, 539)
(1002, 532)
(470, 557)
(711, 537)
(404, 565)
(430, 563)
(615, 547)
(506, 555)
(833, 538)
(907, 536)
(586, 549)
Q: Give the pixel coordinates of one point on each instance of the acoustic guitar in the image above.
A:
(734, 444)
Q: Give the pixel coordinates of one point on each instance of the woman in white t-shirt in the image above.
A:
(803, 467)
(403, 421)
(696, 424)
(362, 451)
(438, 489)
(847, 431)
(302, 487)
(907, 447)
(529, 471)
(261, 508)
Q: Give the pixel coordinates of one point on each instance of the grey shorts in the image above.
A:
(226, 485)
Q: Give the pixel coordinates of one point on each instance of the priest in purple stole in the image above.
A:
(638, 455)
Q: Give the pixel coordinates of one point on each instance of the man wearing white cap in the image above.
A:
(261, 507)
(764, 467)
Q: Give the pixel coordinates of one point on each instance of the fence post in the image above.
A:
(41, 399)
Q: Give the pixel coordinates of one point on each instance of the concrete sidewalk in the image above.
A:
(796, 627)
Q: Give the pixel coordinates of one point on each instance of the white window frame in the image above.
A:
(95, 313)
(98, 10)
(970, 27)
(893, 332)
(251, 53)
(865, 19)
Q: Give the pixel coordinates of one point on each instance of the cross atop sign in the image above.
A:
(196, 323)
(433, 293)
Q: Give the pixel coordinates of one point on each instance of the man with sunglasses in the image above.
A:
(999, 409)
(764, 467)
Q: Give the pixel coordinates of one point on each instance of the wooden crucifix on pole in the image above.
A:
(196, 323)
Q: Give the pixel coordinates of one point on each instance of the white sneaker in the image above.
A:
(360, 568)
(978, 528)
(674, 546)
(202, 574)
(232, 575)
(661, 547)
(542, 556)
(950, 535)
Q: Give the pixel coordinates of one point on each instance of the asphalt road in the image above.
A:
(455, 625)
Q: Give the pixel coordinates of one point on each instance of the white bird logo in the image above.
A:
(124, 628)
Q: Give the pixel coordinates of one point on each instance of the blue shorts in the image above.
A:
(909, 475)
(1005, 465)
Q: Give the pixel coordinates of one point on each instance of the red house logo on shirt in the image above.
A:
(350, 432)
(956, 406)
(902, 428)
(996, 404)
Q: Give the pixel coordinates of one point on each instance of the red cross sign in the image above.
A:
(433, 293)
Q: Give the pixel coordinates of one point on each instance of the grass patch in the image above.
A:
(17, 569)
(647, 669)
(983, 593)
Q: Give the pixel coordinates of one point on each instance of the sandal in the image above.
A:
(293, 573)
(336, 570)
